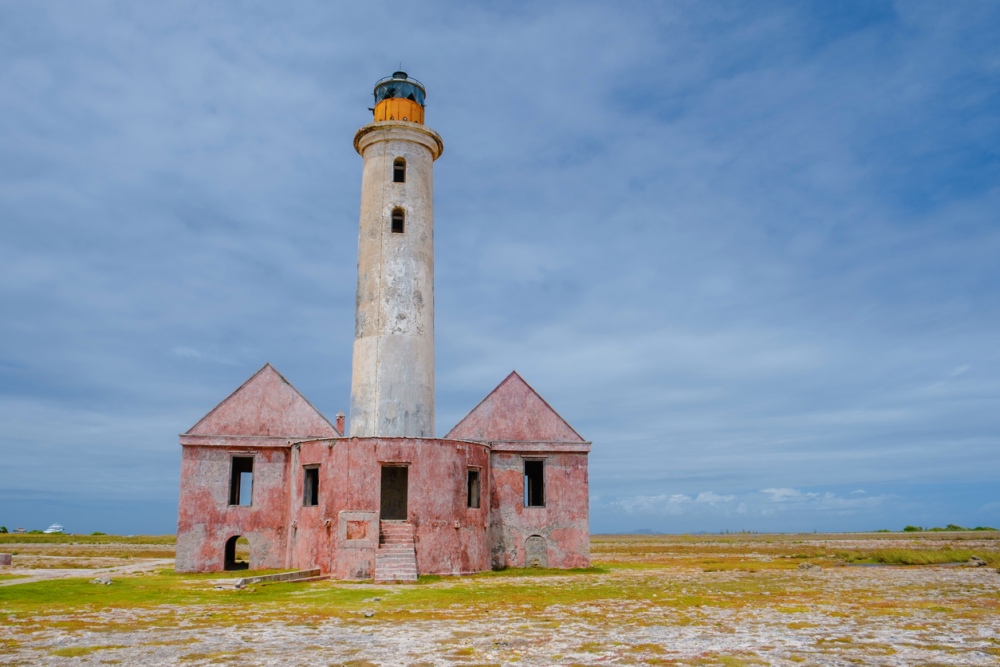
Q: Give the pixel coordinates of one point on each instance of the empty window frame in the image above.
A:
(534, 483)
(472, 489)
(241, 480)
(399, 170)
(398, 220)
(310, 486)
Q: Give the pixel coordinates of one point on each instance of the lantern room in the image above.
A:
(398, 97)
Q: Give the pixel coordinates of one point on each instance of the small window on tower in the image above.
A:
(310, 486)
(399, 170)
(397, 221)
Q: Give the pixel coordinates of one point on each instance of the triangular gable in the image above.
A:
(266, 405)
(514, 412)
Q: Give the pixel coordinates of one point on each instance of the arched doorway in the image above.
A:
(536, 552)
(237, 553)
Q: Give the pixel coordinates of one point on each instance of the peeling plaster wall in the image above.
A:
(563, 521)
(392, 387)
(265, 405)
(340, 534)
(449, 537)
(206, 520)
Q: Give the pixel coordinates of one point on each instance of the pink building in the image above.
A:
(506, 487)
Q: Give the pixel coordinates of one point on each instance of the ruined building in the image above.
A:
(507, 486)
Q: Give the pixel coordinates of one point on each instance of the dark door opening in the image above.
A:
(393, 493)
(237, 555)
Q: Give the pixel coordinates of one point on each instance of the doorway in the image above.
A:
(393, 493)
(237, 553)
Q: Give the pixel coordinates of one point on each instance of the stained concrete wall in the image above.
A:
(514, 412)
(258, 419)
(450, 538)
(392, 389)
(520, 425)
(205, 519)
(340, 534)
(563, 521)
(265, 405)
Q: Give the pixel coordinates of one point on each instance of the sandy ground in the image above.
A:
(829, 616)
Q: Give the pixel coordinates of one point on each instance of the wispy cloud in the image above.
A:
(739, 247)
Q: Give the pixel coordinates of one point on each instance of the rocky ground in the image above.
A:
(742, 603)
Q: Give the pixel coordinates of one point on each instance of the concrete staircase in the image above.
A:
(396, 559)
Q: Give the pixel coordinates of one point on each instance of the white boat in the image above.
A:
(54, 528)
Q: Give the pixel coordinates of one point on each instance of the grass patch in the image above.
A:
(918, 556)
(57, 538)
(79, 651)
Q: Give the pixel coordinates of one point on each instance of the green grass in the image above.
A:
(56, 538)
(80, 651)
(918, 556)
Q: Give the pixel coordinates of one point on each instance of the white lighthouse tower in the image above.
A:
(392, 387)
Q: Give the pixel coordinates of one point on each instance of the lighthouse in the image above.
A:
(505, 487)
(392, 384)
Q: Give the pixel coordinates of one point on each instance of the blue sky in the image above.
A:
(748, 249)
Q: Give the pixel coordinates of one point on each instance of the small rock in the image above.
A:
(809, 566)
(103, 581)
(976, 561)
(369, 614)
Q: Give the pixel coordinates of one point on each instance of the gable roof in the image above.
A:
(514, 412)
(266, 405)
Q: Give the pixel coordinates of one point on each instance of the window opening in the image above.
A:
(397, 221)
(534, 484)
(399, 170)
(310, 486)
(237, 553)
(241, 481)
(472, 489)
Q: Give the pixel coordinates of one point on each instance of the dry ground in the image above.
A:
(657, 600)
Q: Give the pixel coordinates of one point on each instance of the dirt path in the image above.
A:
(31, 575)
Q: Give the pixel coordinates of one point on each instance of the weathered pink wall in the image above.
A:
(519, 424)
(514, 411)
(449, 537)
(258, 419)
(205, 520)
(269, 419)
(563, 521)
(266, 405)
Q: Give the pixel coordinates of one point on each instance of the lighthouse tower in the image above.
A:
(392, 386)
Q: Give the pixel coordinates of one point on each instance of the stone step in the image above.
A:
(396, 558)
(396, 536)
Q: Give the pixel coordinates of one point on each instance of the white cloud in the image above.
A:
(713, 498)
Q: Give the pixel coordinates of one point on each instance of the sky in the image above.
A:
(749, 250)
